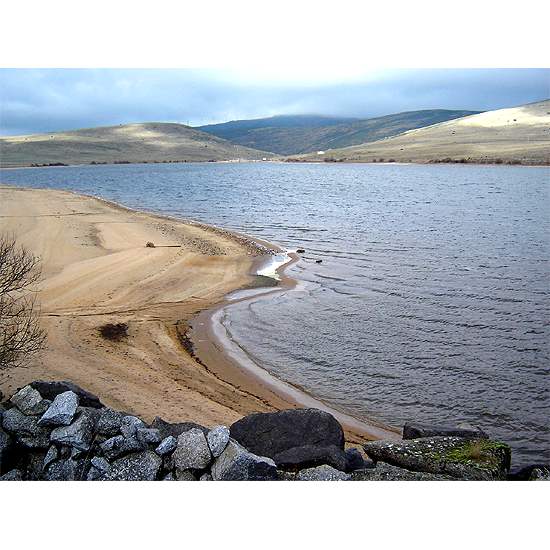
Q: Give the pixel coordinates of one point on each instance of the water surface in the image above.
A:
(431, 302)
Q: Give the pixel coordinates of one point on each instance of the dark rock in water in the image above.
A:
(26, 430)
(308, 456)
(540, 474)
(167, 428)
(61, 411)
(192, 451)
(300, 250)
(49, 390)
(12, 475)
(238, 464)
(322, 473)
(416, 431)
(29, 401)
(386, 472)
(318, 261)
(267, 434)
(143, 466)
(471, 459)
(120, 445)
(354, 460)
(109, 421)
(79, 434)
(533, 472)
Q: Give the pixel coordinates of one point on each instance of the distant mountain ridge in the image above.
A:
(295, 134)
(517, 135)
(128, 143)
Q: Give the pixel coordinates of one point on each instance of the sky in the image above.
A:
(43, 100)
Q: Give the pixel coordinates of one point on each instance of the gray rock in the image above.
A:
(33, 465)
(268, 434)
(169, 477)
(309, 456)
(100, 463)
(130, 425)
(540, 474)
(149, 436)
(236, 463)
(206, 477)
(143, 466)
(49, 390)
(5, 447)
(29, 401)
(530, 472)
(26, 430)
(386, 472)
(61, 412)
(175, 429)
(185, 475)
(354, 460)
(322, 473)
(78, 434)
(62, 470)
(99, 467)
(192, 451)
(167, 445)
(218, 438)
(472, 459)
(284, 475)
(12, 475)
(120, 445)
(415, 430)
(109, 421)
(77, 453)
(51, 455)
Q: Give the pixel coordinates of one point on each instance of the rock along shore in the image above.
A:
(57, 431)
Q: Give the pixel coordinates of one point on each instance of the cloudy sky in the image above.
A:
(42, 100)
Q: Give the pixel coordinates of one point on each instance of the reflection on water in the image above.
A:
(431, 299)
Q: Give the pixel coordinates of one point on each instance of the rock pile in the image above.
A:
(57, 431)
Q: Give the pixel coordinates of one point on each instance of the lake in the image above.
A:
(431, 302)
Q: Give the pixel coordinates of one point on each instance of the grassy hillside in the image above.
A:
(287, 135)
(517, 135)
(151, 142)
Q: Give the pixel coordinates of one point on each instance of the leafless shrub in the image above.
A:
(20, 333)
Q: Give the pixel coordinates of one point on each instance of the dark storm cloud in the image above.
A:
(41, 100)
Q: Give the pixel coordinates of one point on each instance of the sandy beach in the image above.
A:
(96, 270)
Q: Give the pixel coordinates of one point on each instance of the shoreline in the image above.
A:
(251, 391)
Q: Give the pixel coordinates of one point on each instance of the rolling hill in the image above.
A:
(288, 135)
(148, 142)
(516, 135)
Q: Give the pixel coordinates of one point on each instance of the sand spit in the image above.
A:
(96, 269)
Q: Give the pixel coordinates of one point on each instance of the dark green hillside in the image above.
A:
(287, 135)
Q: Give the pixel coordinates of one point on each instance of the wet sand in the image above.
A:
(96, 270)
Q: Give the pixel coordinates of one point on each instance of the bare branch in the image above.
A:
(20, 333)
